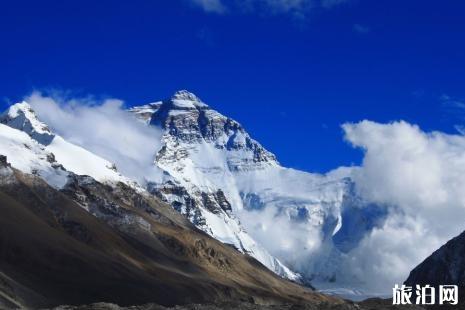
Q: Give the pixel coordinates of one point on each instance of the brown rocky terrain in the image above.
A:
(373, 304)
(93, 243)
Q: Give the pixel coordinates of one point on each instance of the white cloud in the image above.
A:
(294, 242)
(104, 128)
(210, 6)
(270, 6)
(452, 103)
(421, 177)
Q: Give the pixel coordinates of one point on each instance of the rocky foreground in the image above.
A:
(366, 305)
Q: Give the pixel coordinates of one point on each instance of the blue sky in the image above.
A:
(291, 71)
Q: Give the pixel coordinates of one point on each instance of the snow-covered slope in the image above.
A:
(22, 117)
(32, 147)
(29, 156)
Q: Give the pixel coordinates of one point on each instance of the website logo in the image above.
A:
(425, 295)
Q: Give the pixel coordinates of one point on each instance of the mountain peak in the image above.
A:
(187, 100)
(186, 120)
(21, 116)
(185, 95)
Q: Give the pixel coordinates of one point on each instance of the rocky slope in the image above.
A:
(219, 306)
(372, 304)
(90, 242)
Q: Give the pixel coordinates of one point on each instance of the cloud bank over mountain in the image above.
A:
(103, 127)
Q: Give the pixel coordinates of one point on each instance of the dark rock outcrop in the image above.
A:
(4, 162)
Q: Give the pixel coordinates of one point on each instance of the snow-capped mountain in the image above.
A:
(199, 147)
(299, 225)
(34, 148)
(227, 183)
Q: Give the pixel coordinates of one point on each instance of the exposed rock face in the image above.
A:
(5, 171)
(178, 197)
(186, 119)
(3, 162)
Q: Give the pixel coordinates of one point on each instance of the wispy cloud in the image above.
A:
(454, 109)
(294, 7)
(103, 127)
(211, 6)
(451, 102)
(361, 29)
(460, 129)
